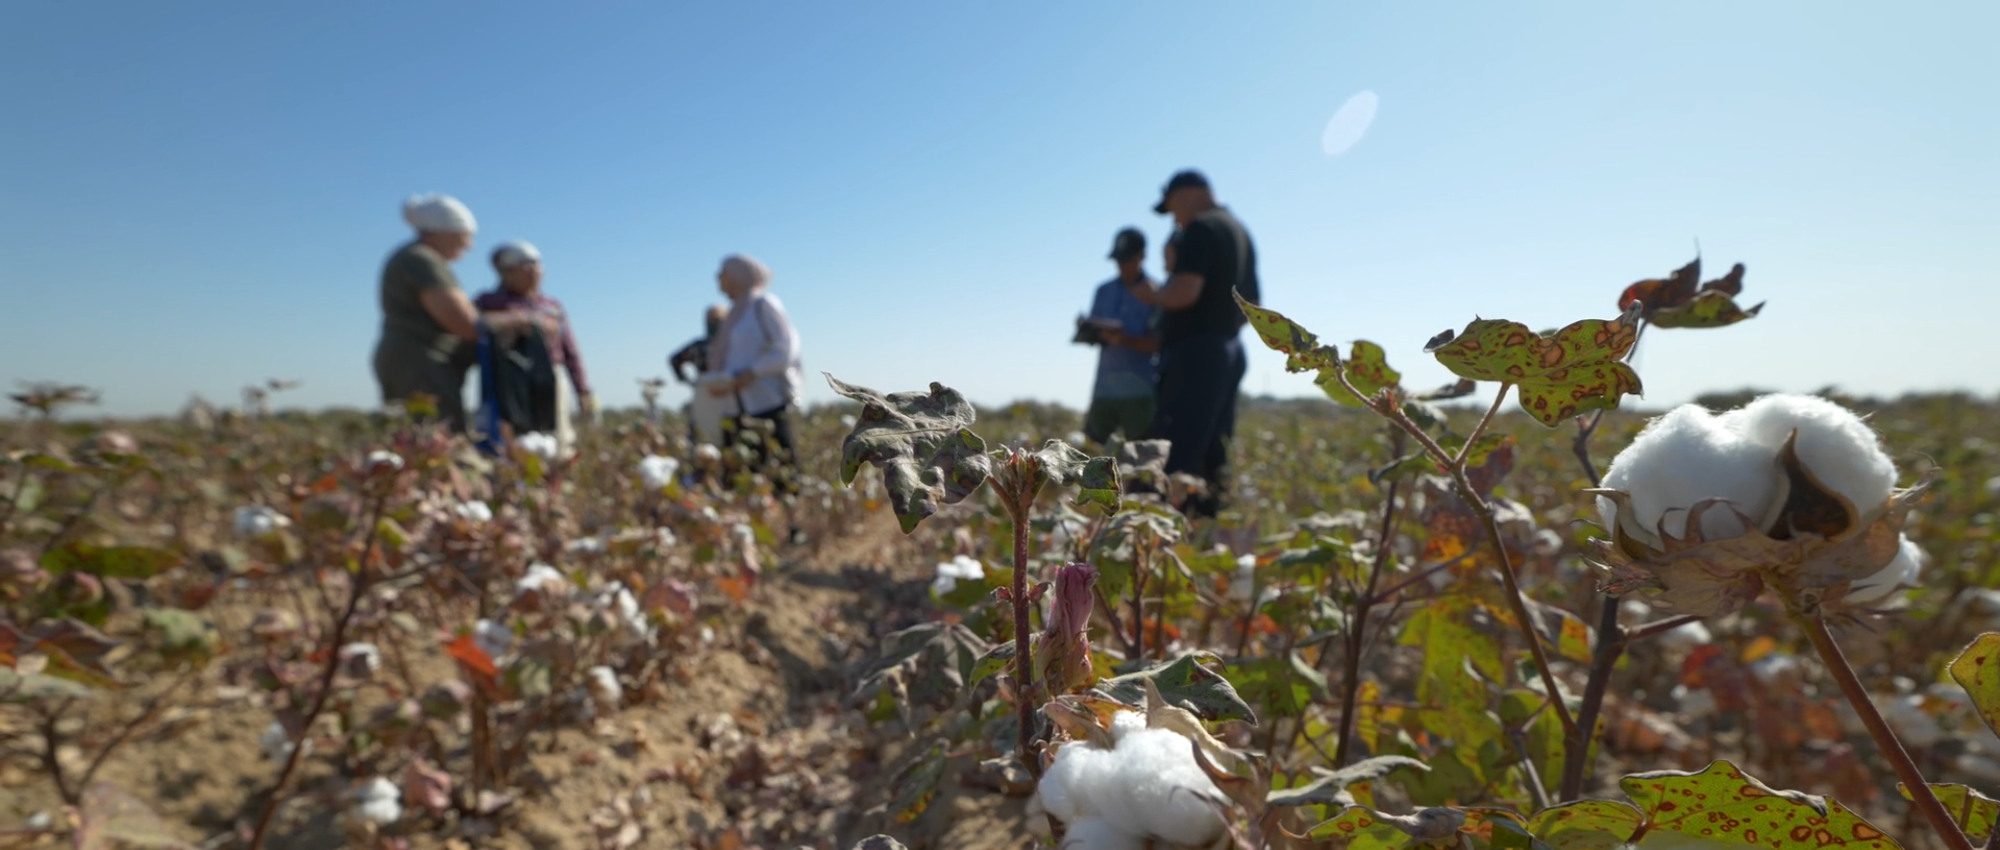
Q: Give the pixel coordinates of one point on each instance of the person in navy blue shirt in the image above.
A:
(1121, 401)
(1201, 360)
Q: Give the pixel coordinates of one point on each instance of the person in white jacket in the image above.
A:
(753, 360)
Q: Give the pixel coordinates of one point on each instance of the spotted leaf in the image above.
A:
(1556, 376)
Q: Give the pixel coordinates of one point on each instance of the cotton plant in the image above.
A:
(1791, 493)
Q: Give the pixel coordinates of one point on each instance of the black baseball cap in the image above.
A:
(1128, 243)
(1184, 179)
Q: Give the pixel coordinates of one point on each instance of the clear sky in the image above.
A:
(195, 196)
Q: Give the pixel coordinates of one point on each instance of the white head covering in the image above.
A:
(746, 270)
(514, 252)
(435, 213)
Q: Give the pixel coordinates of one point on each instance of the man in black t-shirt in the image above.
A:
(1201, 359)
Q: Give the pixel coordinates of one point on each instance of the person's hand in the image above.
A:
(743, 379)
(1112, 336)
(720, 389)
(587, 408)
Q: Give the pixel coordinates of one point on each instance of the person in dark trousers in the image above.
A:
(1201, 358)
(1127, 329)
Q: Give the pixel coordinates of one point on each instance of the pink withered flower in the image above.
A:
(1065, 650)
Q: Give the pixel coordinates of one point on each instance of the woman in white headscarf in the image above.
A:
(753, 361)
(425, 315)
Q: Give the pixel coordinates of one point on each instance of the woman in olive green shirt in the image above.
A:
(426, 318)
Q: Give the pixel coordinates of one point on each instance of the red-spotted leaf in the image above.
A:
(1977, 670)
(1301, 348)
(1366, 368)
(916, 783)
(922, 442)
(1675, 301)
(1722, 804)
(1975, 812)
(1557, 375)
(1587, 825)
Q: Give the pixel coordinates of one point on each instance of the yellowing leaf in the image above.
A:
(1557, 376)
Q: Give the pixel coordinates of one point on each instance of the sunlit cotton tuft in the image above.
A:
(949, 573)
(1146, 787)
(658, 472)
(257, 521)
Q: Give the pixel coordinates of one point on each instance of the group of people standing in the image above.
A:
(1170, 367)
(520, 337)
(1171, 362)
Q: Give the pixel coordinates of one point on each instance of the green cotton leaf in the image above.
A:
(1184, 683)
(1454, 630)
(1556, 376)
(1587, 825)
(133, 562)
(1367, 829)
(999, 658)
(917, 782)
(1366, 368)
(36, 687)
(1720, 803)
(1301, 348)
(1095, 478)
(1273, 684)
(182, 634)
(1974, 812)
(922, 442)
(109, 818)
(1712, 309)
(929, 664)
(1977, 670)
(1331, 787)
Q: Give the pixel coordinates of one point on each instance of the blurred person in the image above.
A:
(1201, 359)
(705, 412)
(753, 358)
(1127, 332)
(530, 369)
(426, 317)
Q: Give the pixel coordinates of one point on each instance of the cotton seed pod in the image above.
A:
(1705, 512)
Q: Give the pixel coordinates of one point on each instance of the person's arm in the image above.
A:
(452, 310)
(687, 356)
(1178, 293)
(573, 360)
(1142, 343)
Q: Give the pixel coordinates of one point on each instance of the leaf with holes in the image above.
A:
(1977, 670)
(922, 442)
(1366, 368)
(1556, 376)
(1096, 478)
(1720, 803)
(1975, 812)
(1184, 683)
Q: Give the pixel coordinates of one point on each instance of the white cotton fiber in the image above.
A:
(1147, 786)
(1841, 450)
(1902, 571)
(1683, 458)
(1099, 834)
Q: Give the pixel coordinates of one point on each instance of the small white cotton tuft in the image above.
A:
(657, 471)
(1099, 834)
(1886, 581)
(474, 511)
(1683, 458)
(1685, 638)
(492, 638)
(605, 692)
(379, 801)
(1841, 450)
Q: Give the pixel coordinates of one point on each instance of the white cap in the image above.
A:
(435, 213)
(514, 252)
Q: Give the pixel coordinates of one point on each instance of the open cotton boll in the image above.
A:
(1685, 638)
(1885, 582)
(492, 638)
(1160, 791)
(258, 520)
(378, 801)
(276, 742)
(541, 578)
(1099, 834)
(538, 444)
(1069, 789)
(1842, 452)
(605, 692)
(473, 511)
(949, 572)
(658, 472)
(1681, 459)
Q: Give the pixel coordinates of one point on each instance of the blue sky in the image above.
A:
(198, 196)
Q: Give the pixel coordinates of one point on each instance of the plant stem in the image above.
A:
(1024, 663)
(1611, 642)
(1356, 632)
(1515, 600)
(1885, 738)
(358, 587)
(1465, 451)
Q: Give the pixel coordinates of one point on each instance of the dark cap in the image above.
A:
(1187, 179)
(1128, 243)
